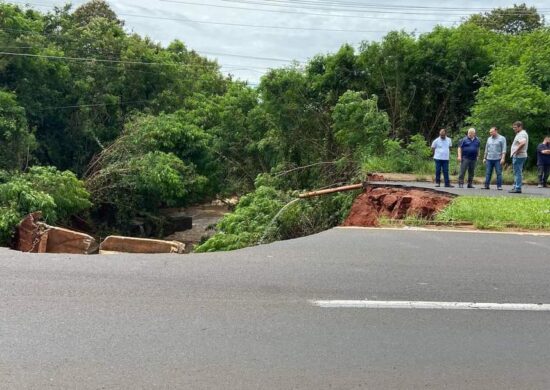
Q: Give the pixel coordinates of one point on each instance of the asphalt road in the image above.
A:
(526, 190)
(243, 320)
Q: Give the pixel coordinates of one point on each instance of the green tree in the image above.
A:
(152, 164)
(94, 9)
(16, 141)
(387, 66)
(58, 195)
(513, 20)
(508, 96)
(359, 125)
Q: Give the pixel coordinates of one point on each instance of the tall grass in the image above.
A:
(499, 212)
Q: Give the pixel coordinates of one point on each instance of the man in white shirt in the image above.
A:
(519, 155)
(440, 148)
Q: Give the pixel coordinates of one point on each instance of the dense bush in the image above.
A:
(16, 141)
(268, 214)
(248, 223)
(398, 157)
(56, 194)
(151, 165)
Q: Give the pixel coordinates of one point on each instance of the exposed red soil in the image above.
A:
(395, 203)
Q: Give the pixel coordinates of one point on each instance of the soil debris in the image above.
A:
(395, 203)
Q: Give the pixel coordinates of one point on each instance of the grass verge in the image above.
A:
(499, 213)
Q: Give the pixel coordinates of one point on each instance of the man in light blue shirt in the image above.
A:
(495, 153)
(440, 148)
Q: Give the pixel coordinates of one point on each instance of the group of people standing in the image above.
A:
(493, 157)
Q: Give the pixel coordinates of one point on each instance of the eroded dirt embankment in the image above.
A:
(395, 203)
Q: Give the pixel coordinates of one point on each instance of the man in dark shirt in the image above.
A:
(543, 162)
(468, 150)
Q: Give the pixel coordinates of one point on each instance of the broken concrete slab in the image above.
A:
(35, 236)
(29, 234)
(121, 244)
(60, 240)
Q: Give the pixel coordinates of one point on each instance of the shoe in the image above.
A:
(499, 188)
(485, 188)
(450, 186)
(470, 186)
(460, 186)
(539, 186)
(438, 185)
(514, 191)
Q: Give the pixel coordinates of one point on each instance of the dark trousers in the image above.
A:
(467, 164)
(442, 165)
(544, 172)
(489, 172)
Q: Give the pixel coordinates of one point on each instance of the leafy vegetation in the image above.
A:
(267, 215)
(148, 127)
(56, 194)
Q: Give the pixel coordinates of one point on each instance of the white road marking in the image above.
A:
(366, 304)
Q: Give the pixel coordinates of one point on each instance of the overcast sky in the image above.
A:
(303, 26)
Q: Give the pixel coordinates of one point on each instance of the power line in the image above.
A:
(199, 52)
(193, 50)
(294, 12)
(235, 24)
(362, 7)
(253, 25)
(250, 57)
(103, 60)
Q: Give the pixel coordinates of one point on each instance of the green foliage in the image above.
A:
(248, 223)
(161, 126)
(150, 166)
(77, 107)
(516, 92)
(16, 141)
(514, 20)
(396, 157)
(359, 125)
(56, 194)
(313, 215)
(267, 215)
(499, 212)
(91, 10)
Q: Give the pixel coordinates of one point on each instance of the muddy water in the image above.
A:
(204, 218)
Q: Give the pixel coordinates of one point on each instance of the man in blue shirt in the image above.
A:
(440, 148)
(468, 150)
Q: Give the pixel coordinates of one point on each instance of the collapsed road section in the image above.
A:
(389, 201)
(395, 202)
